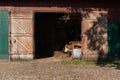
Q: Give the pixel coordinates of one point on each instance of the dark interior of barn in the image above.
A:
(53, 30)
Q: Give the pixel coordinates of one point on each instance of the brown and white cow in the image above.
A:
(68, 47)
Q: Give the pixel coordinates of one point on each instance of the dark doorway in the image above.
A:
(52, 32)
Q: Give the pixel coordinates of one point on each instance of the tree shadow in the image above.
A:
(100, 34)
(96, 36)
(113, 55)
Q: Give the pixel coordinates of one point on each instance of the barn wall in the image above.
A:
(94, 34)
(94, 14)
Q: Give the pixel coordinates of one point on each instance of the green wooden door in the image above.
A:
(113, 40)
(4, 35)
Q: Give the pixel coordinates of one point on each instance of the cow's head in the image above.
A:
(68, 48)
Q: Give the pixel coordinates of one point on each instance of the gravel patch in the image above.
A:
(53, 69)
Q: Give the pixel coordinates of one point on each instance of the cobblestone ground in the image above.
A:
(53, 69)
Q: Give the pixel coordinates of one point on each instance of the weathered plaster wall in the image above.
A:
(94, 34)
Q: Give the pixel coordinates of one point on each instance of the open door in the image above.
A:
(113, 41)
(4, 35)
(21, 35)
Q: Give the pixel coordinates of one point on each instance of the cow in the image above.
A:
(72, 44)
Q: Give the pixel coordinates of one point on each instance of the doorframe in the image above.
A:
(54, 11)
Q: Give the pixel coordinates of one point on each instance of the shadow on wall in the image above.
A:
(97, 40)
(96, 37)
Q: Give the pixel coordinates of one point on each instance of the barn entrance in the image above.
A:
(53, 30)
